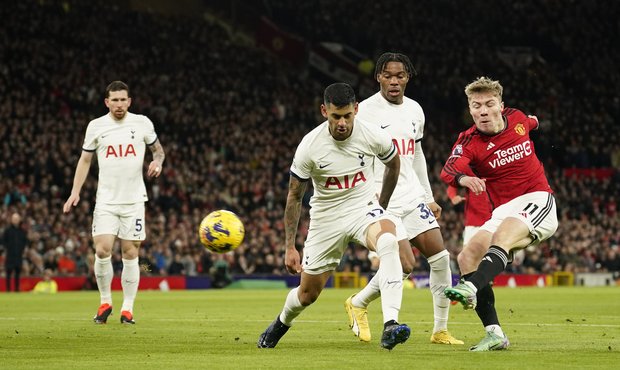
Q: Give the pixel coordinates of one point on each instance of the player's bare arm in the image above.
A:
(475, 184)
(292, 212)
(155, 167)
(390, 178)
(81, 172)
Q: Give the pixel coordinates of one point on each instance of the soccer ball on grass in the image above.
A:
(221, 231)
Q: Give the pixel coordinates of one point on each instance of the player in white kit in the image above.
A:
(119, 139)
(412, 201)
(339, 156)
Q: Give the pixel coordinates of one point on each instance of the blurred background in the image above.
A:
(233, 86)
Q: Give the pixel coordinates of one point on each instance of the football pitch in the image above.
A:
(549, 328)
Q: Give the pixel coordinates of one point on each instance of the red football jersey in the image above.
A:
(477, 207)
(506, 160)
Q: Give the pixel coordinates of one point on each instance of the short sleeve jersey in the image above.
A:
(506, 160)
(405, 124)
(342, 172)
(120, 147)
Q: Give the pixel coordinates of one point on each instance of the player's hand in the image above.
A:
(435, 208)
(154, 169)
(292, 261)
(474, 184)
(456, 199)
(71, 202)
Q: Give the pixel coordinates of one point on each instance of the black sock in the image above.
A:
(492, 264)
(485, 308)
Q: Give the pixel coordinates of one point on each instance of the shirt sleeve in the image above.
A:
(150, 137)
(90, 139)
(457, 164)
(384, 148)
(302, 165)
(421, 170)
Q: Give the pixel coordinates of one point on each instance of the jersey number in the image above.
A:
(138, 224)
(375, 212)
(534, 208)
(425, 212)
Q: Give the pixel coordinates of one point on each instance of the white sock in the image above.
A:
(103, 274)
(440, 279)
(292, 308)
(130, 279)
(390, 276)
(495, 329)
(368, 294)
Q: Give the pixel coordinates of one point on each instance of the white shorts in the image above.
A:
(469, 232)
(412, 223)
(537, 210)
(327, 240)
(416, 222)
(123, 220)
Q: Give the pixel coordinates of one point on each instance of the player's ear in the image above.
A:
(128, 102)
(356, 107)
(107, 102)
(324, 110)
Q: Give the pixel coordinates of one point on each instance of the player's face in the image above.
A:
(118, 102)
(486, 110)
(340, 119)
(393, 80)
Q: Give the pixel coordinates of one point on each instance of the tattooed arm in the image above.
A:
(292, 212)
(159, 155)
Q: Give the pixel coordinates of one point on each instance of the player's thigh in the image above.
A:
(536, 213)
(423, 230)
(132, 223)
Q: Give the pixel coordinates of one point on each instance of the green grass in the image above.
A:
(550, 328)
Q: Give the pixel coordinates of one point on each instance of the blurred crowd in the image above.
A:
(230, 115)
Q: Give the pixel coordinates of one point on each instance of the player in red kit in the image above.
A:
(496, 155)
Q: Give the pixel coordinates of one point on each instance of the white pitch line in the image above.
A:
(567, 324)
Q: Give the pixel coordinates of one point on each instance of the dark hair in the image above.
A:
(116, 86)
(339, 94)
(385, 58)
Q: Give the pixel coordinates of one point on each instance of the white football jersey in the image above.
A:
(341, 171)
(405, 124)
(120, 147)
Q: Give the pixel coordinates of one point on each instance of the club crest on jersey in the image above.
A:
(120, 151)
(361, 157)
(345, 182)
(458, 150)
(520, 129)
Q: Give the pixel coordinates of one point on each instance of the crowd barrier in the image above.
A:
(339, 280)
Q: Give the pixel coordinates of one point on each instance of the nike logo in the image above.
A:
(385, 126)
(102, 136)
(321, 166)
(393, 282)
(136, 235)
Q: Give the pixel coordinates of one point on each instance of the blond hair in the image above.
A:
(484, 85)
